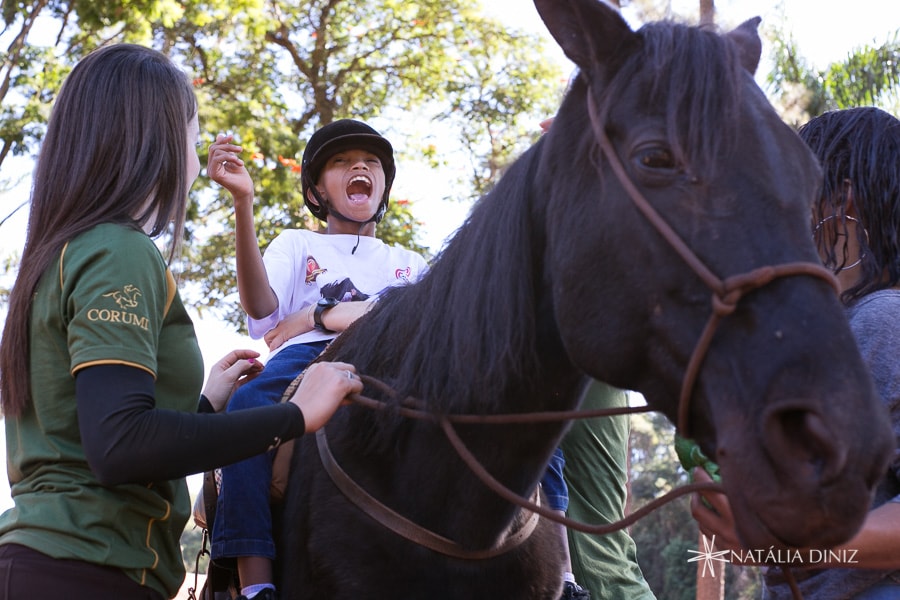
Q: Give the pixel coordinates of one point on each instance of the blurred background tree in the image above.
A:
(271, 72)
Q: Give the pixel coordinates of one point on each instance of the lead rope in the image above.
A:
(407, 408)
(792, 582)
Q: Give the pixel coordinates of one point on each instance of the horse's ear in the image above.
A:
(586, 30)
(749, 45)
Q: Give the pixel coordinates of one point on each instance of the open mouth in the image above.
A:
(359, 189)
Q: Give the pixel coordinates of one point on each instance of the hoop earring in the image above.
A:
(855, 220)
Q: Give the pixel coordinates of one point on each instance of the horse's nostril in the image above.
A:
(803, 446)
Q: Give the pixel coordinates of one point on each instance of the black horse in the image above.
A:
(558, 274)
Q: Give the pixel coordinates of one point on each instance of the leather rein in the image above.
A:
(726, 293)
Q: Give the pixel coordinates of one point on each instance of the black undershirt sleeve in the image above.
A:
(205, 406)
(127, 439)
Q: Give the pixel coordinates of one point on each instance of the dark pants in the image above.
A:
(26, 573)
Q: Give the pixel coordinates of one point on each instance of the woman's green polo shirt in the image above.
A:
(109, 299)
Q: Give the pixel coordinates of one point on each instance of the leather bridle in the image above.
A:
(726, 293)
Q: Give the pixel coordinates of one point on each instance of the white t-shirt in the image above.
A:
(304, 266)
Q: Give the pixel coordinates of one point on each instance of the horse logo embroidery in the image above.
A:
(126, 298)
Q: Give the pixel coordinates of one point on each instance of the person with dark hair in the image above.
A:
(100, 369)
(306, 289)
(857, 231)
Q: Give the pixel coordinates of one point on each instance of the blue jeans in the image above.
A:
(886, 590)
(243, 525)
(554, 485)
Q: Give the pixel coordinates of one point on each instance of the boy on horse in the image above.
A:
(307, 288)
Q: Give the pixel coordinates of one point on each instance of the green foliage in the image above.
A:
(7, 270)
(691, 456)
(654, 471)
(273, 72)
(496, 125)
(742, 583)
(679, 575)
(22, 118)
(868, 76)
(287, 68)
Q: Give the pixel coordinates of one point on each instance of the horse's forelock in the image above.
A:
(695, 77)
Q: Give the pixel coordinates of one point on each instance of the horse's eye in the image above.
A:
(656, 158)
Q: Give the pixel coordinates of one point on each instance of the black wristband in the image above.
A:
(321, 306)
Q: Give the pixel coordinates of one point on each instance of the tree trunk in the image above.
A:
(710, 573)
(707, 12)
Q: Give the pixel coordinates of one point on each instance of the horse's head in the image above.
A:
(781, 397)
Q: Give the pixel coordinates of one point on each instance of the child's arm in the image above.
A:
(337, 319)
(225, 168)
(343, 315)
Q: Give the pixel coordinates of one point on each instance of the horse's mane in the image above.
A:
(462, 333)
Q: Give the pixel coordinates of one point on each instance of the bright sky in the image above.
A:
(826, 29)
(824, 34)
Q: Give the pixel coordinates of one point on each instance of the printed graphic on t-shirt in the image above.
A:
(403, 274)
(343, 291)
(313, 270)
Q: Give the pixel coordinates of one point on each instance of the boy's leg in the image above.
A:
(243, 526)
(557, 494)
(596, 473)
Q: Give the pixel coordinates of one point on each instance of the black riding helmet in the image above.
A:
(345, 134)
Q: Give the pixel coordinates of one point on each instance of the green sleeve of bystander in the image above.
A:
(596, 474)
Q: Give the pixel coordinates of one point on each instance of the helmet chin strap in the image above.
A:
(332, 211)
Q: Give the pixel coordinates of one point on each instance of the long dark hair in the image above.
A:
(115, 151)
(859, 150)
